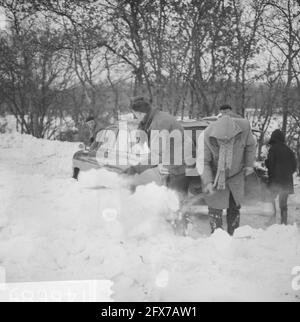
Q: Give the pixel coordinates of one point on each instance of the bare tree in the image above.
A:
(266, 103)
(282, 31)
(32, 69)
(245, 45)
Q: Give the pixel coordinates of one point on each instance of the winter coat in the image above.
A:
(281, 164)
(93, 135)
(153, 124)
(244, 152)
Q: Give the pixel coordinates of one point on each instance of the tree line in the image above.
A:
(63, 58)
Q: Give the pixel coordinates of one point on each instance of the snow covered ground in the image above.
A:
(53, 228)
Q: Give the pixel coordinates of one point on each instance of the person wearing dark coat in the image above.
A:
(281, 164)
(94, 128)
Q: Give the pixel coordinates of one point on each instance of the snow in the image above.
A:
(10, 122)
(53, 228)
(57, 124)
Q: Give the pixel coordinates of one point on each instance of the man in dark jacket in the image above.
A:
(153, 121)
(94, 128)
(281, 164)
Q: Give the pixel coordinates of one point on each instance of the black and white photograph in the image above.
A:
(149, 152)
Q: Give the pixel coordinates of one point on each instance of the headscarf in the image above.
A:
(277, 137)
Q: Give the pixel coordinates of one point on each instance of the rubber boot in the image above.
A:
(233, 220)
(75, 173)
(284, 217)
(233, 216)
(216, 220)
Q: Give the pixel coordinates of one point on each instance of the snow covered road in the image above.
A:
(53, 228)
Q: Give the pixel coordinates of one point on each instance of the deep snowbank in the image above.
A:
(54, 228)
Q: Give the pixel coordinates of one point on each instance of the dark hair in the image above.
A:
(225, 107)
(89, 118)
(140, 104)
(277, 137)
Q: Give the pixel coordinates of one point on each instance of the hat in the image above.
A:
(225, 107)
(140, 104)
(89, 118)
(225, 128)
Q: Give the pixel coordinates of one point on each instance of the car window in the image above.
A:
(123, 141)
(95, 145)
(110, 137)
(107, 137)
(140, 149)
(100, 138)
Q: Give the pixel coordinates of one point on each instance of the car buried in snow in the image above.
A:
(117, 152)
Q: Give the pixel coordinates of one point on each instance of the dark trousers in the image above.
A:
(283, 199)
(179, 183)
(233, 217)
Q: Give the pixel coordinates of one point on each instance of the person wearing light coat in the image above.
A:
(226, 154)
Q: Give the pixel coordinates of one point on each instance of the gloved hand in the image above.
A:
(248, 171)
(209, 189)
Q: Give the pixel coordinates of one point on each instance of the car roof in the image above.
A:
(195, 123)
(211, 118)
(189, 124)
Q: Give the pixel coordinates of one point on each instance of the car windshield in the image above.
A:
(107, 137)
(112, 140)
